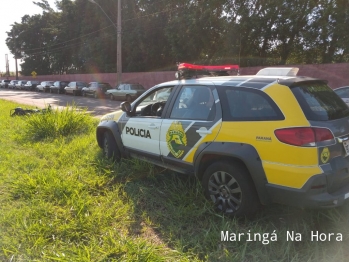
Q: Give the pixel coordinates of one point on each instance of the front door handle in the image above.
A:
(206, 132)
(153, 127)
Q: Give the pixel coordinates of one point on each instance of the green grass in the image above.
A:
(61, 201)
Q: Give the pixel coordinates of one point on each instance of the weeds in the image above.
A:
(55, 123)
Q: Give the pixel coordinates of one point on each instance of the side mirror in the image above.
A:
(126, 107)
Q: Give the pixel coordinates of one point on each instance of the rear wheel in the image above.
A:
(231, 189)
(110, 149)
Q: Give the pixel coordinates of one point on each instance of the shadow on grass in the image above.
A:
(170, 209)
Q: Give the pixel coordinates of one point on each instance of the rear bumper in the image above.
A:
(311, 195)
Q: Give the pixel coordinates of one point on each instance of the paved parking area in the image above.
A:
(97, 107)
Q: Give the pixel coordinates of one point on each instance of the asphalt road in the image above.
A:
(97, 107)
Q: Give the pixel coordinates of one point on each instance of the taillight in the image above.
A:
(303, 136)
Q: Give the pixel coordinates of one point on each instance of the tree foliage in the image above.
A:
(80, 38)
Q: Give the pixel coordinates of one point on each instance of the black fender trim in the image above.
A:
(244, 153)
(113, 127)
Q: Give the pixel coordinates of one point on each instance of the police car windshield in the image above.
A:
(319, 102)
(158, 96)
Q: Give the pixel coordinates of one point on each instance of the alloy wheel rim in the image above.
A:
(225, 192)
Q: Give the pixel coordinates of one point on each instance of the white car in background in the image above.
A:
(125, 91)
(343, 92)
(44, 86)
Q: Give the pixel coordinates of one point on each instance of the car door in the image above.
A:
(87, 89)
(70, 87)
(193, 121)
(141, 132)
(118, 93)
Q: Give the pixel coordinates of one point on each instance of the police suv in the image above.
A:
(251, 140)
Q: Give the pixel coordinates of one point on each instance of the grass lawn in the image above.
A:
(61, 201)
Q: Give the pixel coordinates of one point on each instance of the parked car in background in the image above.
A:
(125, 91)
(96, 89)
(343, 92)
(4, 83)
(44, 86)
(58, 87)
(12, 84)
(31, 85)
(75, 88)
(20, 84)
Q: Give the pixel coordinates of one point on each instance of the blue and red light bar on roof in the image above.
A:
(186, 70)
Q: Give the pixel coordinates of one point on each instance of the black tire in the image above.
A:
(231, 189)
(128, 98)
(110, 150)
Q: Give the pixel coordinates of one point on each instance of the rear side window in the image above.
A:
(243, 104)
(137, 87)
(104, 86)
(319, 102)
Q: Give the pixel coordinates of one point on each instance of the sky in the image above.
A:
(12, 11)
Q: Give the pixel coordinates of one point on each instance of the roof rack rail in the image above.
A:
(187, 71)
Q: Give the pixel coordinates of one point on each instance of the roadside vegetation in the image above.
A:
(61, 201)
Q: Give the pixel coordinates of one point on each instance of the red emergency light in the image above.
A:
(186, 70)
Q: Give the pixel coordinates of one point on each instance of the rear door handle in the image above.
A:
(206, 132)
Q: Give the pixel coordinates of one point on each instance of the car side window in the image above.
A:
(194, 102)
(248, 105)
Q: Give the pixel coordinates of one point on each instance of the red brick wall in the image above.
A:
(336, 74)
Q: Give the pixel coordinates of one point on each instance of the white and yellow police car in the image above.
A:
(251, 140)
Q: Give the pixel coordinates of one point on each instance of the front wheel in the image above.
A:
(110, 149)
(231, 189)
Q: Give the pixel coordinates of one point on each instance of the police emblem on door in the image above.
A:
(176, 139)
